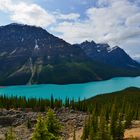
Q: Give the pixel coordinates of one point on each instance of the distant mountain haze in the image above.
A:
(31, 55)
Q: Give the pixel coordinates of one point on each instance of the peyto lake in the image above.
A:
(84, 90)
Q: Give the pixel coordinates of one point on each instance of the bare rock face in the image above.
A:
(11, 117)
(7, 120)
(114, 56)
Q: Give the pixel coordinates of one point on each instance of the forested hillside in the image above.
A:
(108, 114)
(111, 114)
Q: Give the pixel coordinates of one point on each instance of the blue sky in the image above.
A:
(116, 22)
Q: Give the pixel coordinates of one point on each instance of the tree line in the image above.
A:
(109, 114)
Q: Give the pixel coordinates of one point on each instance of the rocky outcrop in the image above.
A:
(115, 56)
(18, 120)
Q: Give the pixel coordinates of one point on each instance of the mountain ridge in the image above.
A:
(31, 55)
(114, 56)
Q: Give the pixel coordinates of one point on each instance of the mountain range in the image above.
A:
(31, 55)
(104, 53)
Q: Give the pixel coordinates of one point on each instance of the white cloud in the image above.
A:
(71, 16)
(33, 14)
(133, 20)
(5, 5)
(111, 23)
(116, 22)
(104, 2)
(132, 47)
(27, 13)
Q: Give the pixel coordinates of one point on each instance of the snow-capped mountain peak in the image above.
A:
(115, 56)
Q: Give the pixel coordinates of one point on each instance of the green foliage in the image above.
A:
(52, 102)
(103, 129)
(112, 113)
(86, 129)
(29, 125)
(129, 116)
(109, 115)
(32, 103)
(119, 128)
(41, 131)
(97, 128)
(47, 128)
(65, 71)
(53, 125)
(113, 121)
(10, 135)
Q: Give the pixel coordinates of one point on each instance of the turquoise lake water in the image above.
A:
(84, 90)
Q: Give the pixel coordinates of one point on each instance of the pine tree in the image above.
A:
(52, 123)
(29, 125)
(67, 102)
(52, 102)
(10, 135)
(102, 133)
(91, 135)
(113, 122)
(41, 132)
(94, 122)
(86, 129)
(128, 117)
(91, 128)
(79, 104)
(102, 129)
(119, 128)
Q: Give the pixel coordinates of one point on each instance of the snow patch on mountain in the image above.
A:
(22, 39)
(36, 45)
(13, 51)
(109, 49)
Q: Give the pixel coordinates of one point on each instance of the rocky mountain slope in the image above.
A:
(113, 56)
(31, 55)
(19, 122)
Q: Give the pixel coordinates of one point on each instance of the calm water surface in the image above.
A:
(85, 90)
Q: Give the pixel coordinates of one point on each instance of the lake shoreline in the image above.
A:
(72, 83)
(76, 91)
